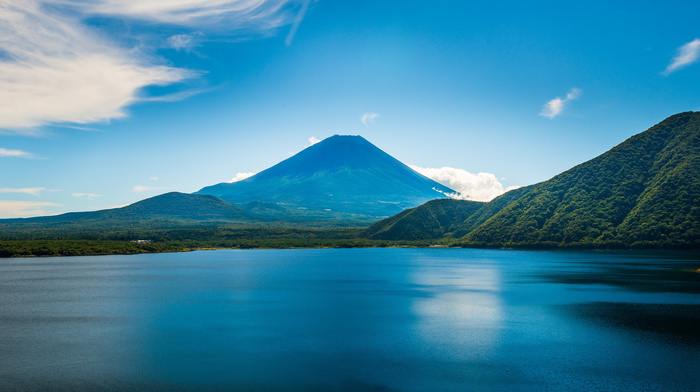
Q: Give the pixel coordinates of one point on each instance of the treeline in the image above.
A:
(71, 240)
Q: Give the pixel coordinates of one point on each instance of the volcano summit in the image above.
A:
(342, 174)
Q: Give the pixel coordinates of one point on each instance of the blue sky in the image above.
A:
(107, 102)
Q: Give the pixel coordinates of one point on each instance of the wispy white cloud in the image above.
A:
(469, 186)
(29, 191)
(241, 176)
(556, 106)
(89, 196)
(313, 140)
(184, 42)
(55, 70)
(15, 153)
(685, 55)
(13, 209)
(297, 21)
(228, 14)
(368, 118)
(154, 178)
(143, 188)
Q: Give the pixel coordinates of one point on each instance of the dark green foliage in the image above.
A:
(486, 211)
(643, 193)
(75, 240)
(439, 218)
(78, 247)
(432, 220)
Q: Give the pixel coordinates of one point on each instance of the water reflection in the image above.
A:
(463, 319)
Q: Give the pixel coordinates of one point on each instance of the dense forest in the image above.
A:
(75, 240)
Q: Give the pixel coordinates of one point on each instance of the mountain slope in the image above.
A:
(431, 220)
(644, 192)
(169, 206)
(345, 174)
(440, 218)
(178, 206)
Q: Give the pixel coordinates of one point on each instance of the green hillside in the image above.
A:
(439, 218)
(180, 206)
(486, 211)
(431, 220)
(173, 206)
(644, 192)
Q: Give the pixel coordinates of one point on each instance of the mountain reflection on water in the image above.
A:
(352, 319)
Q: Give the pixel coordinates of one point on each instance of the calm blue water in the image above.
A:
(352, 320)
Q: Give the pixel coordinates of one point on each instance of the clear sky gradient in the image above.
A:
(107, 102)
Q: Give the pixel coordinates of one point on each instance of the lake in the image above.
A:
(352, 320)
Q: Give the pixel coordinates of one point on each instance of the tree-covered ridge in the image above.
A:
(446, 218)
(644, 192)
(431, 220)
(176, 205)
(486, 211)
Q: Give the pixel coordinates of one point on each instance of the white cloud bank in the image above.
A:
(368, 118)
(556, 106)
(24, 208)
(685, 55)
(241, 176)
(477, 187)
(313, 140)
(28, 191)
(55, 69)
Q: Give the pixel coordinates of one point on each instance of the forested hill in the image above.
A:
(439, 218)
(174, 206)
(645, 192)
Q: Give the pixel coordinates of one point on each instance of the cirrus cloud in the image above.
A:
(56, 69)
(89, 196)
(29, 191)
(685, 55)
(15, 153)
(229, 14)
